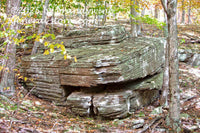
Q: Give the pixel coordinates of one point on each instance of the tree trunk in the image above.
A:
(64, 16)
(98, 13)
(174, 91)
(41, 27)
(142, 14)
(53, 20)
(85, 15)
(189, 14)
(138, 25)
(165, 87)
(105, 13)
(133, 21)
(183, 13)
(8, 74)
(156, 11)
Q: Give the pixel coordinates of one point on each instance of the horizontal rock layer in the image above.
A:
(99, 64)
(116, 101)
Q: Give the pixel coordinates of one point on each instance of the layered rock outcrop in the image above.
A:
(114, 75)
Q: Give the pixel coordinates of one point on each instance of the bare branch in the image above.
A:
(163, 2)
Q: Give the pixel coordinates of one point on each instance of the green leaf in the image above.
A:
(141, 114)
(53, 36)
(29, 37)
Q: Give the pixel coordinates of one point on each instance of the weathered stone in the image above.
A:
(80, 103)
(195, 60)
(184, 54)
(45, 79)
(118, 100)
(189, 56)
(127, 98)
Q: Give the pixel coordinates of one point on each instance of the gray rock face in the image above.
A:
(195, 60)
(105, 56)
(116, 101)
(189, 56)
(80, 103)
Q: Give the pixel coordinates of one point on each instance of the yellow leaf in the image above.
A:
(51, 50)
(1, 68)
(46, 44)
(46, 52)
(34, 35)
(62, 47)
(23, 40)
(20, 77)
(51, 46)
(75, 59)
(65, 56)
(19, 31)
(25, 79)
(58, 45)
(37, 38)
(15, 70)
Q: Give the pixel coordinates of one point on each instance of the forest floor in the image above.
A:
(24, 112)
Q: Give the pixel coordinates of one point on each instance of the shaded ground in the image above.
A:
(27, 113)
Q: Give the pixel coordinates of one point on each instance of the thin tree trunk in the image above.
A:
(165, 87)
(189, 14)
(138, 25)
(183, 13)
(95, 16)
(98, 16)
(53, 19)
(64, 16)
(174, 90)
(41, 27)
(8, 74)
(142, 14)
(133, 21)
(85, 15)
(105, 13)
(143, 11)
(156, 11)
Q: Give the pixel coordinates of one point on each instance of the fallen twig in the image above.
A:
(146, 126)
(7, 99)
(157, 123)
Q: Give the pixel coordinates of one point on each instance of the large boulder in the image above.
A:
(105, 56)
